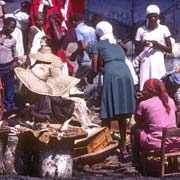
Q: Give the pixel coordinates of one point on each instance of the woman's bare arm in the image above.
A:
(165, 48)
(32, 33)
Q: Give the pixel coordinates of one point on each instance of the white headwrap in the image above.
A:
(2, 3)
(152, 9)
(105, 31)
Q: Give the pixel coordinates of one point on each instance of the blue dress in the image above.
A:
(118, 94)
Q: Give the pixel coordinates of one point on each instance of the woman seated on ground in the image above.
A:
(155, 110)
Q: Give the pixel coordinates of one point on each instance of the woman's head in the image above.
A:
(103, 28)
(154, 87)
(105, 31)
(152, 9)
(152, 15)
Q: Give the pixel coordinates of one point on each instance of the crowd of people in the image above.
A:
(46, 86)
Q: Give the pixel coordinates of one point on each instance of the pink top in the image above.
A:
(156, 118)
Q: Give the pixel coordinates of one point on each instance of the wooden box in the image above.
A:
(96, 140)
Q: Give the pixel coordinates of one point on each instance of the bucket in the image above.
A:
(55, 159)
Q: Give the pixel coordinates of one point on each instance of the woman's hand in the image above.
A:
(152, 43)
(155, 44)
(147, 43)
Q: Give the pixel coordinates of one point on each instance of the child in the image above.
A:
(7, 59)
(36, 32)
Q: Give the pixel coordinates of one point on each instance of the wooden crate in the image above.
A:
(95, 141)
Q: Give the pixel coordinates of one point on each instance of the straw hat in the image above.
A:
(46, 79)
(45, 55)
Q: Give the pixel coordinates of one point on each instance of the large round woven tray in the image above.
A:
(97, 157)
(45, 134)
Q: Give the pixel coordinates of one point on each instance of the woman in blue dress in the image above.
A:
(118, 92)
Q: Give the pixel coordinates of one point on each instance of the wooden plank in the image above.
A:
(98, 142)
(101, 140)
(92, 133)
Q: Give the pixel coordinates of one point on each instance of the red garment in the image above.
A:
(35, 6)
(47, 27)
(60, 53)
(72, 7)
(78, 7)
(34, 9)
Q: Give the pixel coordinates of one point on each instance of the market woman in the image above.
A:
(155, 111)
(118, 93)
(152, 41)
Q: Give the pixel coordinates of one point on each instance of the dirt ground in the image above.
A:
(87, 177)
(96, 172)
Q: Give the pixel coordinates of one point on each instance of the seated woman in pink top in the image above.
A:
(156, 110)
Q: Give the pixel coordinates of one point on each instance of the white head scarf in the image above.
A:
(2, 3)
(105, 31)
(152, 9)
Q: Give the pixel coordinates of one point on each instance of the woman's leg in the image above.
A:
(135, 146)
(122, 129)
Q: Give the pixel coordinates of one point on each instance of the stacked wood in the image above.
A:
(97, 139)
(95, 148)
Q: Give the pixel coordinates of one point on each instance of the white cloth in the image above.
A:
(36, 45)
(17, 34)
(65, 69)
(44, 3)
(105, 31)
(2, 3)
(131, 68)
(152, 9)
(22, 20)
(152, 60)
